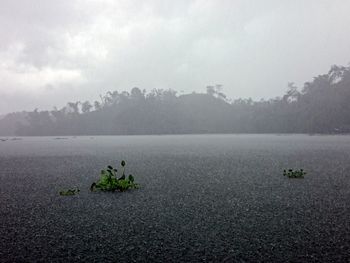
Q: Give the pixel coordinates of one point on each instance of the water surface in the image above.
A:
(203, 198)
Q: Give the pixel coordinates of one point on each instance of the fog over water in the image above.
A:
(174, 131)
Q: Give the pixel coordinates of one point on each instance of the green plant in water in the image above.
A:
(110, 182)
(69, 192)
(294, 174)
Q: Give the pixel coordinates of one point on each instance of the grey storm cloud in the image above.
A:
(52, 52)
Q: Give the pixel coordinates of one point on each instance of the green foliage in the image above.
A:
(69, 192)
(294, 174)
(109, 182)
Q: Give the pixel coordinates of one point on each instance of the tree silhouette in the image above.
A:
(321, 105)
(86, 107)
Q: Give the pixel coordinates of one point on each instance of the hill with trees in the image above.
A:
(320, 106)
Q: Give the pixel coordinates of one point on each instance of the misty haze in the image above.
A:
(174, 131)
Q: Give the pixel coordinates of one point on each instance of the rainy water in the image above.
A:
(202, 198)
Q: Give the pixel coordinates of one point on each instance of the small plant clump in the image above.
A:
(69, 192)
(294, 174)
(110, 182)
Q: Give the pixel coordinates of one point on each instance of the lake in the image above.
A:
(219, 198)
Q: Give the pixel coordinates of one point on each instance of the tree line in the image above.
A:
(320, 106)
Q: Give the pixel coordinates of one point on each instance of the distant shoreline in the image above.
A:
(57, 137)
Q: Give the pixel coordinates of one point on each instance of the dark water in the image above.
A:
(219, 198)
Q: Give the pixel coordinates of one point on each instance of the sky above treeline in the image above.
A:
(54, 51)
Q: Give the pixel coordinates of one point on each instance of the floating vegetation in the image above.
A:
(109, 180)
(61, 138)
(69, 192)
(3, 140)
(294, 174)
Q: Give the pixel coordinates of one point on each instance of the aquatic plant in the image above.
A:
(69, 192)
(294, 174)
(109, 182)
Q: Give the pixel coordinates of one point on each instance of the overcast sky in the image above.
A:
(55, 51)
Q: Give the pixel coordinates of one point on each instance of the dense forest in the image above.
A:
(320, 106)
